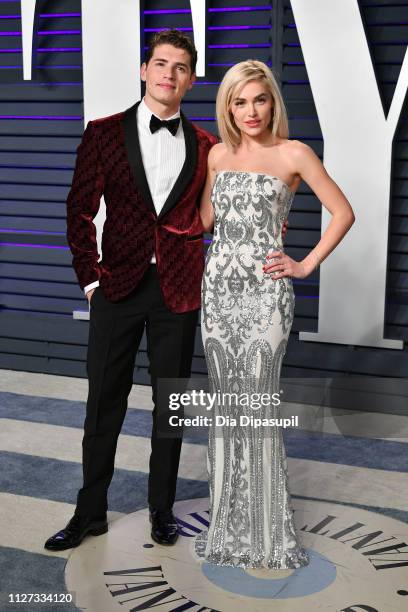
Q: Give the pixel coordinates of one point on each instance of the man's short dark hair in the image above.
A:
(175, 38)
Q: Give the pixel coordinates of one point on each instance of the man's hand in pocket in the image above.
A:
(89, 294)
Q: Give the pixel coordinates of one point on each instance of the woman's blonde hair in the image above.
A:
(234, 80)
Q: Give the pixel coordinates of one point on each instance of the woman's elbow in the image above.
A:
(350, 218)
(346, 217)
(208, 226)
(206, 222)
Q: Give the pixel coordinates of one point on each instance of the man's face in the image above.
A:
(168, 75)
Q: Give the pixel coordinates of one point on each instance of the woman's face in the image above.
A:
(251, 108)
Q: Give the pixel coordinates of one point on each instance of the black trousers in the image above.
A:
(115, 332)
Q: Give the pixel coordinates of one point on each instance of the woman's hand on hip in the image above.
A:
(280, 265)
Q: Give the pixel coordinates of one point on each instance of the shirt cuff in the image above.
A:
(91, 286)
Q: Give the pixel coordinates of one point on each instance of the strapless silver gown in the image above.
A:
(245, 323)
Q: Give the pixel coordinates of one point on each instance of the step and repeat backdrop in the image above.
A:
(43, 108)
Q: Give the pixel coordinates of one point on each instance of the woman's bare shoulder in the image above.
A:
(297, 147)
(216, 153)
(298, 152)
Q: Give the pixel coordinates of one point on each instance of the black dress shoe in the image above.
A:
(164, 527)
(77, 528)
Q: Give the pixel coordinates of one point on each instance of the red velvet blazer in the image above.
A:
(109, 163)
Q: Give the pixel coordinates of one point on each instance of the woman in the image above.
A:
(247, 313)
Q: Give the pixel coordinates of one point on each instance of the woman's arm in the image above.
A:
(312, 171)
(206, 207)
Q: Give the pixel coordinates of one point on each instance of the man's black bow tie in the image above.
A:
(170, 124)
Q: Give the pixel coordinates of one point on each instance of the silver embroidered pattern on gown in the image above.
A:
(245, 323)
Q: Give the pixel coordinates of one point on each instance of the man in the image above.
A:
(150, 164)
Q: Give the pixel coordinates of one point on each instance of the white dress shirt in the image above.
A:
(163, 157)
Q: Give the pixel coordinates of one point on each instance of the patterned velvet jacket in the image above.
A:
(109, 163)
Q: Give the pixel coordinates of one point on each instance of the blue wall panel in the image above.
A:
(41, 123)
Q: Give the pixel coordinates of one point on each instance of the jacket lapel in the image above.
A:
(135, 160)
(188, 169)
(135, 157)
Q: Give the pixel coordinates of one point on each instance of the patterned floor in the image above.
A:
(350, 462)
